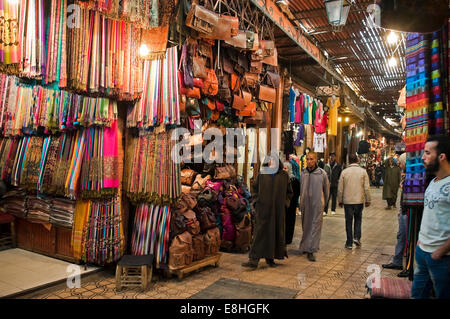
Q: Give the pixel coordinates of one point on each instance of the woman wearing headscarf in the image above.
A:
(292, 209)
(272, 191)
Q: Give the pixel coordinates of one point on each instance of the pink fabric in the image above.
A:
(392, 288)
(299, 109)
(320, 123)
(110, 157)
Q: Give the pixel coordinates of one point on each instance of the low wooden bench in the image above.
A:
(134, 271)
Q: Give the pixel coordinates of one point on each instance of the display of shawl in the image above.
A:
(56, 45)
(62, 212)
(14, 203)
(32, 37)
(25, 108)
(102, 235)
(19, 161)
(160, 99)
(151, 174)
(103, 56)
(151, 233)
(417, 106)
(436, 114)
(9, 29)
(38, 210)
(99, 173)
(31, 163)
(8, 149)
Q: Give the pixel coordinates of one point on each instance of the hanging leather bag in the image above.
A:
(201, 19)
(271, 60)
(267, 47)
(267, 93)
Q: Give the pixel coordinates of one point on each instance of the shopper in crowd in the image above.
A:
(293, 204)
(272, 191)
(432, 255)
(397, 261)
(353, 193)
(391, 179)
(378, 175)
(333, 169)
(314, 192)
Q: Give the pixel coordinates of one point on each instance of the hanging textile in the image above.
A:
(9, 29)
(104, 57)
(436, 114)
(160, 99)
(152, 175)
(103, 236)
(151, 233)
(156, 41)
(333, 104)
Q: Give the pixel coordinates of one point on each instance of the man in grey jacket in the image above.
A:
(353, 192)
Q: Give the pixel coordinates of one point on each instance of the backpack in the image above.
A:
(243, 234)
(198, 247)
(177, 225)
(180, 252)
(206, 218)
(212, 241)
(192, 224)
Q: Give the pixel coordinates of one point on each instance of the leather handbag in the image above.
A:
(226, 28)
(188, 92)
(212, 241)
(267, 93)
(199, 67)
(210, 83)
(190, 200)
(252, 79)
(224, 93)
(271, 60)
(258, 118)
(256, 67)
(267, 47)
(187, 176)
(273, 79)
(225, 172)
(238, 101)
(201, 19)
(177, 225)
(198, 83)
(214, 185)
(249, 110)
(185, 189)
(200, 182)
(206, 218)
(192, 223)
(238, 41)
(227, 65)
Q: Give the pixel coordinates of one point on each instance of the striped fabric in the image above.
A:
(392, 288)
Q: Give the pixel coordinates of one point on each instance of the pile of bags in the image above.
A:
(215, 213)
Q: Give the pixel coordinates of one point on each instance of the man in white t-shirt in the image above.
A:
(432, 256)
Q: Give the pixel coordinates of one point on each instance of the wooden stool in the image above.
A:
(134, 271)
(8, 241)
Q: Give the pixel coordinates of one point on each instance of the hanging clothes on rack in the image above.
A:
(333, 104)
(320, 122)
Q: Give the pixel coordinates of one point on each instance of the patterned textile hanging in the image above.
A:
(436, 114)
(151, 233)
(102, 239)
(159, 103)
(9, 29)
(151, 174)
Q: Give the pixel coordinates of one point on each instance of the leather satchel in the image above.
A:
(225, 172)
(258, 118)
(267, 93)
(272, 60)
(267, 47)
(273, 79)
(180, 251)
(199, 67)
(187, 176)
(190, 200)
(256, 67)
(201, 19)
(249, 110)
(226, 28)
(224, 93)
(192, 224)
(227, 65)
(206, 218)
(198, 247)
(185, 189)
(238, 41)
(210, 84)
(252, 79)
(200, 182)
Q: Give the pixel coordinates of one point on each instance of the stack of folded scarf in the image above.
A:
(14, 203)
(38, 210)
(62, 212)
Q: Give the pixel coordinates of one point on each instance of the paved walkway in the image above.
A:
(338, 273)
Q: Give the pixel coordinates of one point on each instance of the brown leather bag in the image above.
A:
(256, 67)
(180, 251)
(198, 247)
(249, 110)
(206, 218)
(192, 224)
(267, 47)
(272, 60)
(267, 93)
(252, 79)
(200, 182)
(185, 189)
(243, 238)
(199, 67)
(190, 200)
(258, 118)
(225, 172)
(210, 84)
(187, 176)
(226, 28)
(238, 41)
(273, 79)
(201, 19)
(212, 241)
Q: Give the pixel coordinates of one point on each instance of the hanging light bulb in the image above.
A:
(347, 119)
(143, 50)
(392, 38)
(392, 62)
(339, 119)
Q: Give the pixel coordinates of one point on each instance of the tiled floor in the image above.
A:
(21, 270)
(338, 273)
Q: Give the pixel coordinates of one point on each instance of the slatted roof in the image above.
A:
(360, 53)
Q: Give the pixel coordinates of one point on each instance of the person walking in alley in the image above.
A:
(378, 175)
(293, 204)
(353, 193)
(333, 170)
(392, 177)
(432, 255)
(314, 192)
(272, 191)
